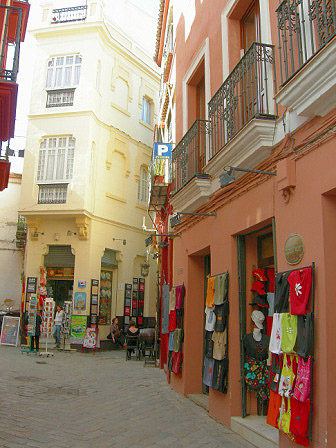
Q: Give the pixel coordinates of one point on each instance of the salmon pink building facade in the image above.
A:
(253, 202)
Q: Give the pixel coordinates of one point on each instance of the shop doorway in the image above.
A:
(256, 253)
(60, 290)
(207, 271)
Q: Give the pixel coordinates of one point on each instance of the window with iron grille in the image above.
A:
(143, 186)
(56, 159)
(63, 71)
(60, 98)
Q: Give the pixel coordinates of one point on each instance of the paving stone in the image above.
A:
(84, 400)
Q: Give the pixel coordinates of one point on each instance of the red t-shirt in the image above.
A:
(299, 290)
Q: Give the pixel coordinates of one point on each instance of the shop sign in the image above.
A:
(31, 284)
(60, 272)
(294, 249)
(81, 284)
(163, 150)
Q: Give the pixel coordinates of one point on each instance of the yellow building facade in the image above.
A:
(85, 178)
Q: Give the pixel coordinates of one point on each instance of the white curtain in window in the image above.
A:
(146, 109)
(56, 163)
(50, 164)
(64, 71)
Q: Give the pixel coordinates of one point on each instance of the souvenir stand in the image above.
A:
(47, 322)
(292, 346)
(128, 305)
(176, 329)
(216, 356)
(31, 327)
(67, 308)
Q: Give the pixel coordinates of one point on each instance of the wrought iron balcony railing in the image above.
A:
(245, 94)
(10, 44)
(52, 193)
(60, 98)
(304, 27)
(189, 156)
(71, 14)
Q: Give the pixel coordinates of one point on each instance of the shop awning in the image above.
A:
(109, 259)
(59, 257)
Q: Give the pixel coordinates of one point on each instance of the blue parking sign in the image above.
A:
(163, 150)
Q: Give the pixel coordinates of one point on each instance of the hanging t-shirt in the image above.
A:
(220, 375)
(172, 320)
(171, 342)
(210, 319)
(256, 349)
(289, 332)
(222, 312)
(208, 349)
(177, 340)
(179, 291)
(208, 371)
(210, 298)
(276, 334)
(281, 299)
(219, 347)
(300, 286)
(172, 299)
(304, 339)
(165, 309)
(221, 288)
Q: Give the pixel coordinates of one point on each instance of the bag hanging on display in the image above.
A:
(300, 418)
(285, 415)
(275, 372)
(302, 383)
(287, 376)
(289, 332)
(276, 334)
(274, 409)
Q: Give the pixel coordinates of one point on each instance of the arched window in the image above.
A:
(143, 186)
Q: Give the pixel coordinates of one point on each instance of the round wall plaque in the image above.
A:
(294, 249)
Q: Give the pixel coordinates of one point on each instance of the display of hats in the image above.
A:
(259, 287)
(259, 274)
(258, 318)
(260, 300)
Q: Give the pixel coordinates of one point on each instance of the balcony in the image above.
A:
(11, 20)
(191, 186)
(71, 14)
(60, 98)
(52, 193)
(168, 54)
(307, 50)
(160, 179)
(247, 93)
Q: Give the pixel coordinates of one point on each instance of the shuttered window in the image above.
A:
(59, 257)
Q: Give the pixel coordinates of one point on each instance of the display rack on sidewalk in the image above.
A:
(31, 322)
(47, 322)
(67, 308)
(292, 347)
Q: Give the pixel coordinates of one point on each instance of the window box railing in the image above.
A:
(71, 14)
(245, 94)
(60, 98)
(304, 27)
(52, 193)
(189, 156)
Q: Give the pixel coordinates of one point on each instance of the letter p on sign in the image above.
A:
(163, 150)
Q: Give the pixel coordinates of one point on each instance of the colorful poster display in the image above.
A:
(105, 302)
(80, 301)
(91, 339)
(78, 329)
(10, 331)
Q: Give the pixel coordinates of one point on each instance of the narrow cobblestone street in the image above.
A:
(84, 400)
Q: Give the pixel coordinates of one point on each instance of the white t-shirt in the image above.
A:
(210, 319)
(276, 334)
(59, 317)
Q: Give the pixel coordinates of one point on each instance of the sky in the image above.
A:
(122, 13)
